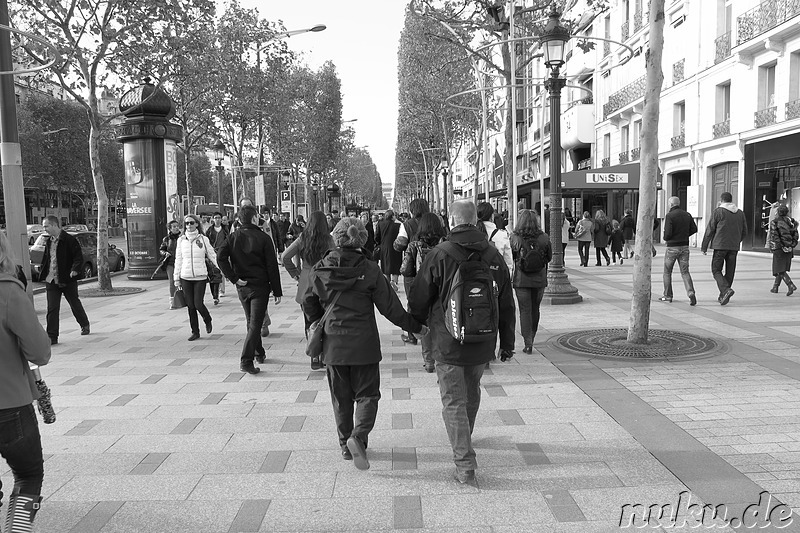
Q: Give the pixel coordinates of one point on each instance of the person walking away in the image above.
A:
(390, 259)
(62, 267)
(497, 237)
(583, 234)
(783, 240)
(305, 252)
(167, 251)
(725, 232)
(617, 242)
(297, 226)
(217, 234)
(346, 280)
(678, 227)
(191, 274)
(601, 230)
(532, 252)
(247, 258)
(369, 246)
(628, 226)
(430, 233)
(564, 234)
(23, 341)
(460, 366)
(408, 232)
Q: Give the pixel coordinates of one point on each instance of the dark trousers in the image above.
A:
(530, 300)
(171, 278)
(583, 251)
(724, 259)
(214, 290)
(254, 302)
(359, 385)
(598, 251)
(70, 292)
(194, 292)
(21, 447)
(460, 388)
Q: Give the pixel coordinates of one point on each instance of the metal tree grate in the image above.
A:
(662, 345)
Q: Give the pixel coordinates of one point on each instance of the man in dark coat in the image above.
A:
(678, 227)
(460, 367)
(62, 267)
(247, 259)
(407, 233)
(725, 232)
(628, 227)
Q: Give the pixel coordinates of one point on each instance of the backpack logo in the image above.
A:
(475, 290)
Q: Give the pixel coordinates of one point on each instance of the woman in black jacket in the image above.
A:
(601, 230)
(353, 285)
(167, 251)
(385, 235)
(529, 286)
(782, 241)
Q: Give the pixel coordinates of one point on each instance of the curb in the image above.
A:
(40, 290)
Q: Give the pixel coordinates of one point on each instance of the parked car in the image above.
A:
(34, 230)
(88, 242)
(75, 227)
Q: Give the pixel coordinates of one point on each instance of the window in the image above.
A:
(637, 132)
(607, 145)
(624, 136)
(766, 86)
(794, 77)
(723, 102)
(678, 118)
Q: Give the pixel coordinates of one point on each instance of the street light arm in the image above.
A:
(290, 33)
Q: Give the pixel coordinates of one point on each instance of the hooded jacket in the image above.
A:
(519, 246)
(22, 339)
(429, 294)
(248, 254)
(726, 229)
(168, 245)
(678, 227)
(351, 332)
(190, 257)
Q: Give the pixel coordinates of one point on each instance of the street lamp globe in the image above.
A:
(317, 28)
(286, 179)
(219, 150)
(554, 40)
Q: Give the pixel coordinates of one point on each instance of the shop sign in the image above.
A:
(606, 177)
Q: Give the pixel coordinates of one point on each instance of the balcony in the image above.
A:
(765, 117)
(637, 21)
(625, 96)
(793, 109)
(678, 71)
(679, 141)
(623, 157)
(605, 162)
(626, 26)
(723, 46)
(635, 152)
(764, 17)
(721, 129)
(583, 164)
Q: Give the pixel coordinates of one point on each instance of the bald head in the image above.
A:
(463, 212)
(673, 201)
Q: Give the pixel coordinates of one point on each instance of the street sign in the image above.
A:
(260, 199)
(286, 196)
(286, 201)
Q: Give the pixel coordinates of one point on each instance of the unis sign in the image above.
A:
(606, 178)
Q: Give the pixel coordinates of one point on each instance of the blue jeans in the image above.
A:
(460, 388)
(583, 251)
(530, 300)
(21, 447)
(254, 302)
(726, 259)
(681, 255)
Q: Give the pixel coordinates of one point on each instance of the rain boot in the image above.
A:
(22, 509)
(788, 280)
(777, 284)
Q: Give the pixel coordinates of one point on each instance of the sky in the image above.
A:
(361, 40)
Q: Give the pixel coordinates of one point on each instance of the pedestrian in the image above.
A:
(297, 226)
(564, 233)
(390, 259)
(783, 240)
(601, 231)
(278, 235)
(217, 234)
(628, 225)
(430, 232)
(283, 225)
(725, 232)
(352, 286)
(62, 267)
(23, 341)
(545, 220)
(369, 246)
(303, 254)
(528, 284)
(460, 366)
(583, 234)
(191, 273)
(617, 241)
(678, 227)
(167, 251)
(497, 237)
(329, 221)
(408, 232)
(247, 258)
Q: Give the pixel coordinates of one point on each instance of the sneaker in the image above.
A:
(359, 453)
(194, 337)
(465, 477)
(410, 339)
(621, 261)
(692, 299)
(665, 299)
(249, 367)
(261, 358)
(430, 369)
(394, 286)
(85, 330)
(726, 297)
(265, 331)
(316, 364)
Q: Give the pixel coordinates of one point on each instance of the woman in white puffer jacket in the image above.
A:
(497, 237)
(191, 274)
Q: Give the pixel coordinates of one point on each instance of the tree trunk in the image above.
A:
(189, 194)
(58, 201)
(643, 258)
(103, 275)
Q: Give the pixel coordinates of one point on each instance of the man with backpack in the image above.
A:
(462, 291)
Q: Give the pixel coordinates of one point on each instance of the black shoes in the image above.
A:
(53, 341)
(726, 297)
(692, 300)
(85, 330)
(249, 367)
(208, 327)
(265, 331)
(430, 369)
(410, 339)
(465, 477)
(346, 455)
(527, 349)
(359, 453)
(316, 363)
(261, 358)
(666, 299)
(194, 337)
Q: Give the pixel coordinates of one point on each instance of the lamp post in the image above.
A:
(553, 41)
(219, 155)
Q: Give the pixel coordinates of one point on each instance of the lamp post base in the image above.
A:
(559, 291)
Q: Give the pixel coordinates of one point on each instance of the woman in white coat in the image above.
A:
(191, 274)
(497, 237)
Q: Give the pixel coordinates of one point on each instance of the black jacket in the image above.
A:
(69, 258)
(726, 228)
(678, 227)
(168, 245)
(429, 294)
(628, 225)
(248, 254)
(217, 238)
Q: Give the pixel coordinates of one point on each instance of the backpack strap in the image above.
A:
(455, 251)
(494, 233)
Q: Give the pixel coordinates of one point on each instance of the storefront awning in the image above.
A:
(616, 177)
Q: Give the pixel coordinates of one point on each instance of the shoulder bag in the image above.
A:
(316, 330)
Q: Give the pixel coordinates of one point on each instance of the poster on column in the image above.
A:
(171, 179)
(139, 168)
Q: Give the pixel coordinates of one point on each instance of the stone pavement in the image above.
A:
(157, 434)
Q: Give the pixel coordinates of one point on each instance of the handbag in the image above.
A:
(179, 300)
(214, 273)
(376, 253)
(316, 330)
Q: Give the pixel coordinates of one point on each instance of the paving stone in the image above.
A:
(126, 488)
(173, 517)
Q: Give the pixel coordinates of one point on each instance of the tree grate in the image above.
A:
(662, 345)
(94, 292)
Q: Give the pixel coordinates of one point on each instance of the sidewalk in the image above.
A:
(158, 434)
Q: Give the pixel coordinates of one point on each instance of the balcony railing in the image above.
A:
(767, 116)
(605, 162)
(721, 129)
(587, 100)
(626, 26)
(637, 21)
(764, 17)
(793, 109)
(679, 141)
(635, 152)
(626, 95)
(723, 46)
(623, 157)
(584, 164)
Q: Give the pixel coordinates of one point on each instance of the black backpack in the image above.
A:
(471, 312)
(531, 260)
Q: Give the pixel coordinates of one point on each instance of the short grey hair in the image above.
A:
(349, 233)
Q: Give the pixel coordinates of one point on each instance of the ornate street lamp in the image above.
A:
(219, 155)
(554, 43)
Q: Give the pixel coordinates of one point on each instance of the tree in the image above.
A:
(642, 260)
